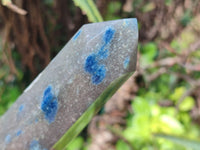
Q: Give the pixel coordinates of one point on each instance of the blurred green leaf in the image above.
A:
(149, 49)
(149, 52)
(121, 145)
(186, 18)
(76, 144)
(187, 104)
(171, 124)
(178, 92)
(139, 105)
(168, 2)
(11, 93)
(88, 7)
(113, 8)
(191, 144)
(148, 7)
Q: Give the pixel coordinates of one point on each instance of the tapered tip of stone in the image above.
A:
(110, 48)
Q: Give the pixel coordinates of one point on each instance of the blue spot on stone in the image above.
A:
(8, 139)
(126, 62)
(19, 132)
(35, 145)
(108, 35)
(36, 120)
(47, 90)
(49, 105)
(93, 64)
(77, 35)
(99, 75)
(21, 108)
(97, 71)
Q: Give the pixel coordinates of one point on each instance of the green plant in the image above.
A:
(10, 86)
(88, 7)
(187, 143)
(149, 118)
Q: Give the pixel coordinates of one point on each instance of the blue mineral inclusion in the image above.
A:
(126, 62)
(8, 139)
(93, 65)
(77, 35)
(21, 108)
(49, 105)
(36, 120)
(35, 145)
(108, 35)
(19, 132)
(99, 74)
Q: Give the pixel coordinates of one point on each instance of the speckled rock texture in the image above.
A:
(97, 55)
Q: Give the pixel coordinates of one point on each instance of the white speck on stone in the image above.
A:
(70, 81)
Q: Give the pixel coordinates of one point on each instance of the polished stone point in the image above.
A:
(59, 103)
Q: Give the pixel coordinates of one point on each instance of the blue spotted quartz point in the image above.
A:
(78, 77)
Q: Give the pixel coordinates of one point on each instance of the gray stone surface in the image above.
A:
(98, 54)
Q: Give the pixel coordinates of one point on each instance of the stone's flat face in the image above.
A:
(94, 62)
(97, 54)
